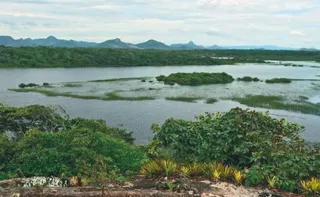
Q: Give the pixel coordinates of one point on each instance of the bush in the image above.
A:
(243, 138)
(45, 84)
(78, 151)
(22, 85)
(194, 79)
(279, 80)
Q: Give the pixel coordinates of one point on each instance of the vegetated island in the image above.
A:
(45, 57)
(241, 147)
(196, 79)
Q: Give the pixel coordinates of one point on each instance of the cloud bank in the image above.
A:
(292, 23)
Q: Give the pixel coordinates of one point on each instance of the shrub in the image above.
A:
(194, 79)
(22, 85)
(75, 152)
(45, 84)
(161, 78)
(243, 138)
(279, 80)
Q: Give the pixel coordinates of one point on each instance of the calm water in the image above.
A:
(138, 116)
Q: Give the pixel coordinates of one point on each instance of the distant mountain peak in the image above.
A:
(52, 38)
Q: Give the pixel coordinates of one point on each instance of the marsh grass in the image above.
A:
(109, 96)
(211, 100)
(114, 96)
(278, 102)
(184, 99)
(142, 79)
(72, 85)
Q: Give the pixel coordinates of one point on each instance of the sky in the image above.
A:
(290, 23)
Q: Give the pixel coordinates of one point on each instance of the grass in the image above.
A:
(109, 97)
(211, 100)
(278, 80)
(72, 85)
(113, 96)
(184, 99)
(143, 79)
(278, 102)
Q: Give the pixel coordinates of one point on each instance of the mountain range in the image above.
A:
(52, 41)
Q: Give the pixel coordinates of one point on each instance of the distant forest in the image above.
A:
(41, 57)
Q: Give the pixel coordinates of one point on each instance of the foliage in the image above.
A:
(160, 168)
(15, 121)
(279, 80)
(194, 79)
(248, 79)
(243, 138)
(74, 152)
(238, 177)
(216, 175)
(272, 181)
(29, 85)
(312, 186)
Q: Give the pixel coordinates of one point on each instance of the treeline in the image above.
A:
(42, 57)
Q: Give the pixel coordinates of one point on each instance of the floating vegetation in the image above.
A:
(143, 79)
(211, 100)
(278, 102)
(278, 80)
(184, 99)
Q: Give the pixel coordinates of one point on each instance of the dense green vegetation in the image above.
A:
(265, 146)
(278, 102)
(239, 146)
(98, 57)
(248, 79)
(51, 144)
(194, 79)
(42, 57)
(279, 80)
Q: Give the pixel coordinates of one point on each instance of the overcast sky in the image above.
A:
(291, 23)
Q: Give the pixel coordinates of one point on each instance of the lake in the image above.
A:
(138, 116)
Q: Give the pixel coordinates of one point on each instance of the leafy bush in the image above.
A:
(248, 139)
(75, 152)
(22, 85)
(279, 80)
(194, 79)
